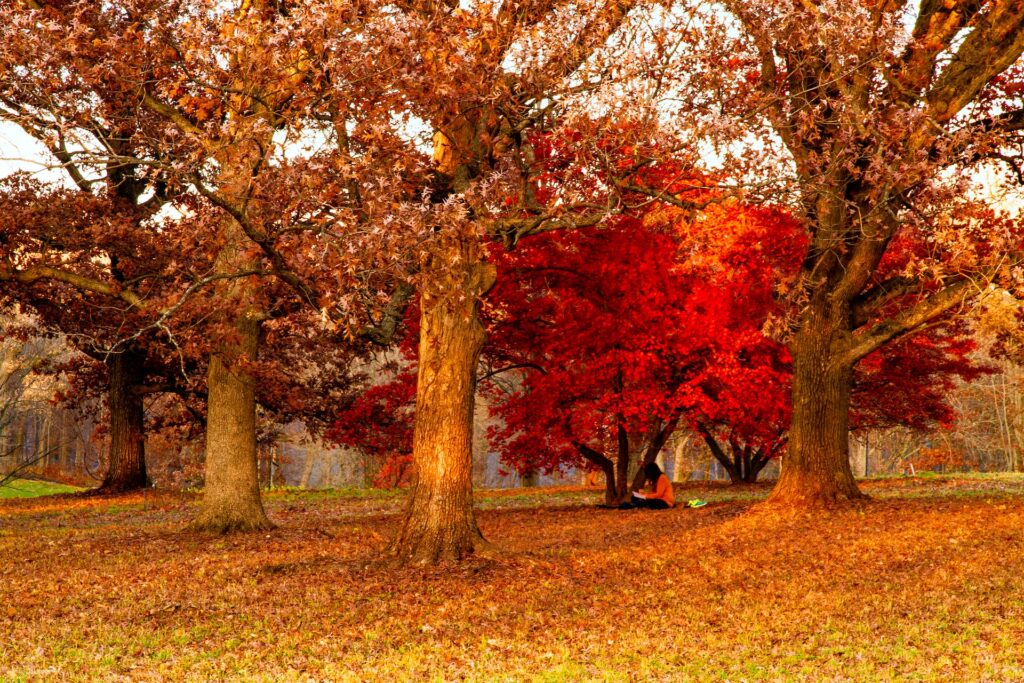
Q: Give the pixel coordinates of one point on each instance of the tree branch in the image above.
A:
(179, 119)
(996, 42)
(87, 284)
(383, 333)
(515, 366)
(266, 244)
(909, 319)
(870, 301)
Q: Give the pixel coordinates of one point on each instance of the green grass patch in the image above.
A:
(32, 488)
(293, 493)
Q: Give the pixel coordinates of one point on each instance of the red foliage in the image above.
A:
(379, 419)
(907, 382)
(651, 320)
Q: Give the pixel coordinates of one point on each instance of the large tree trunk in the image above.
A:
(127, 470)
(439, 523)
(231, 493)
(816, 470)
(231, 496)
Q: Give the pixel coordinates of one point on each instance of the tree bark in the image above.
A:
(656, 439)
(231, 496)
(746, 462)
(611, 495)
(622, 463)
(439, 523)
(719, 454)
(127, 468)
(756, 462)
(816, 470)
(231, 493)
(307, 470)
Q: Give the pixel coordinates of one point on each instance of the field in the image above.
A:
(923, 583)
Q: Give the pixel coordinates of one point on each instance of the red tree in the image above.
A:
(616, 336)
(626, 332)
(871, 121)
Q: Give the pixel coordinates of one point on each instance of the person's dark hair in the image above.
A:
(652, 472)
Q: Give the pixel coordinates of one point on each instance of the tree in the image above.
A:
(213, 102)
(614, 337)
(749, 413)
(906, 384)
(485, 81)
(624, 333)
(879, 113)
(75, 258)
(72, 253)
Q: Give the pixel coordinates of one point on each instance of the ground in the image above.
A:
(925, 582)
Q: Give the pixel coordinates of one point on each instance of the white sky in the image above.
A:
(20, 152)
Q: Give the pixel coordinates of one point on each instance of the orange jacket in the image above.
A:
(663, 491)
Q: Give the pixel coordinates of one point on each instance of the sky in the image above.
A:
(19, 152)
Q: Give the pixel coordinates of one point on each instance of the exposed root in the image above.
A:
(229, 524)
(113, 489)
(812, 500)
(440, 548)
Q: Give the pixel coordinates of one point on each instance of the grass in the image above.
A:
(922, 583)
(31, 488)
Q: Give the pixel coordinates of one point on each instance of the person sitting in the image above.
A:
(661, 498)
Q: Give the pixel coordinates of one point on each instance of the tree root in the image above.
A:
(230, 524)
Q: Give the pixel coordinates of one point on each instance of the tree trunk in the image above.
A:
(231, 496)
(127, 469)
(44, 441)
(231, 491)
(307, 469)
(611, 495)
(757, 460)
(742, 458)
(656, 439)
(62, 444)
(20, 441)
(816, 470)
(439, 523)
(719, 454)
(622, 461)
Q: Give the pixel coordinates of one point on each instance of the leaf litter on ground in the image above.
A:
(924, 582)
